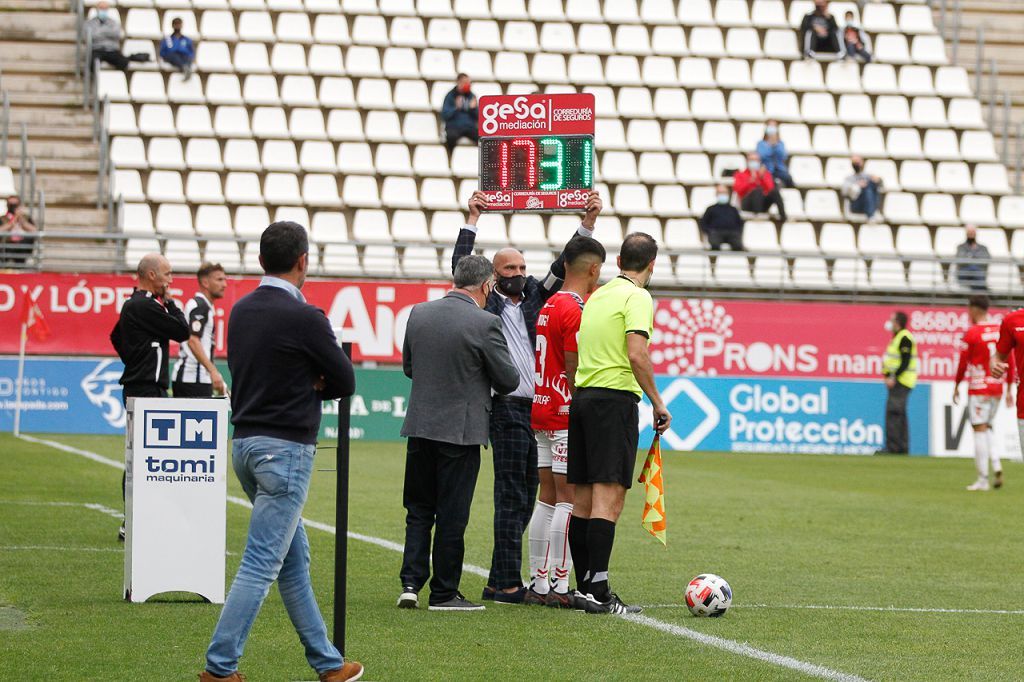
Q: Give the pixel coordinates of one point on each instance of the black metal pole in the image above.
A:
(341, 519)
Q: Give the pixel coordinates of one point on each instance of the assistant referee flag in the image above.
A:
(653, 518)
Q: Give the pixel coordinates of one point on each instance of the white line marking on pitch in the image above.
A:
(731, 646)
(95, 506)
(831, 607)
(50, 548)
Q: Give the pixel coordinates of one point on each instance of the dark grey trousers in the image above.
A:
(897, 432)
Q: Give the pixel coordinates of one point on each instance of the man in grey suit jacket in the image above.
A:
(455, 354)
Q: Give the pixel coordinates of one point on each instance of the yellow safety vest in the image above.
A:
(891, 362)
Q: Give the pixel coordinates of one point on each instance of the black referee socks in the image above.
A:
(600, 538)
(578, 548)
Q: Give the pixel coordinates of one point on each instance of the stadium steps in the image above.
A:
(38, 73)
(1003, 21)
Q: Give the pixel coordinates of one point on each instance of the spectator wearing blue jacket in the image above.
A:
(772, 151)
(178, 50)
(459, 113)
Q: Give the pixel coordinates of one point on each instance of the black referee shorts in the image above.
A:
(186, 390)
(604, 431)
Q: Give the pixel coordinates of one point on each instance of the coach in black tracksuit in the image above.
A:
(149, 321)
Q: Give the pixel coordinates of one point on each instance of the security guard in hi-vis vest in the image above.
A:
(900, 369)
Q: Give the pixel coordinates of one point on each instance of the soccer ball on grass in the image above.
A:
(708, 595)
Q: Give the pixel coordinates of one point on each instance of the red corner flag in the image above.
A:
(33, 322)
(653, 519)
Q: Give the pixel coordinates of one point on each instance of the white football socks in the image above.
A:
(561, 557)
(540, 540)
(982, 444)
(993, 453)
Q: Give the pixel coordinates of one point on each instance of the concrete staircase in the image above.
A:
(1003, 22)
(37, 63)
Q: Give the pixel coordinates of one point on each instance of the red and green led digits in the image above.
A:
(555, 163)
(505, 157)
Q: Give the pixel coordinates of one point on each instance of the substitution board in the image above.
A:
(536, 152)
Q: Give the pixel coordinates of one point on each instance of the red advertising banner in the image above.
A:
(691, 337)
(834, 340)
(82, 309)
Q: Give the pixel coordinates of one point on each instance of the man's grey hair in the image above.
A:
(472, 271)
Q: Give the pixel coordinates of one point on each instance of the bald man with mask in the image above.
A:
(517, 299)
(149, 320)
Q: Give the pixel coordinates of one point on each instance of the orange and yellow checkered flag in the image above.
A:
(653, 518)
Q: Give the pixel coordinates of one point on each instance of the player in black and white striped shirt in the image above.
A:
(195, 375)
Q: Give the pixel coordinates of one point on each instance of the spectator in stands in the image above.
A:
(17, 233)
(178, 50)
(756, 189)
(772, 151)
(972, 262)
(819, 33)
(722, 223)
(106, 39)
(459, 113)
(856, 40)
(864, 191)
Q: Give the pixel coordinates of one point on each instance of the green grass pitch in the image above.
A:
(785, 531)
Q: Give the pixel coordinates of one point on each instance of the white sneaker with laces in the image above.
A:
(981, 485)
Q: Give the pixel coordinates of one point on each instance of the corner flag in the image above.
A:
(653, 518)
(32, 321)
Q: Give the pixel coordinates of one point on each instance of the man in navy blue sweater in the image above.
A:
(284, 361)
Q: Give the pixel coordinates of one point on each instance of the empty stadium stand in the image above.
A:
(324, 111)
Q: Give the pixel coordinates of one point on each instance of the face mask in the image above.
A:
(723, 198)
(857, 168)
(771, 130)
(888, 326)
(970, 240)
(512, 286)
(754, 165)
(102, 14)
(464, 88)
(12, 207)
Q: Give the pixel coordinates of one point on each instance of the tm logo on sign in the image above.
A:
(172, 429)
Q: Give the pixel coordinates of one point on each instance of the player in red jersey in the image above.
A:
(983, 390)
(1011, 339)
(556, 357)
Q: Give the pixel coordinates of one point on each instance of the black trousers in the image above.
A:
(897, 432)
(453, 133)
(515, 487)
(733, 239)
(183, 389)
(118, 59)
(439, 482)
(757, 201)
(139, 391)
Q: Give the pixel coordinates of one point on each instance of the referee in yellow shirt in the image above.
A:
(614, 370)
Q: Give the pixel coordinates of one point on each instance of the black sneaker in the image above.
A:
(577, 600)
(516, 597)
(488, 594)
(613, 605)
(457, 603)
(409, 599)
(997, 483)
(120, 533)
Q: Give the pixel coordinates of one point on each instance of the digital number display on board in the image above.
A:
(536, 151)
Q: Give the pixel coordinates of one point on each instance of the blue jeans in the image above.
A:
(275, 476)
(868, 200)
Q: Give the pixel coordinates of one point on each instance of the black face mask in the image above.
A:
(857, 168)
(512, 286)
(971, 240)
(12, 207)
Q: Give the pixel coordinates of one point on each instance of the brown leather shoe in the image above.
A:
(349, 672)
(210, 677)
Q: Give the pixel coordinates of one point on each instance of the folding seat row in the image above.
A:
(165, 186)
(309, 6)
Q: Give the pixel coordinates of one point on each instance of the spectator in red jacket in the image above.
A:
(756, 188)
